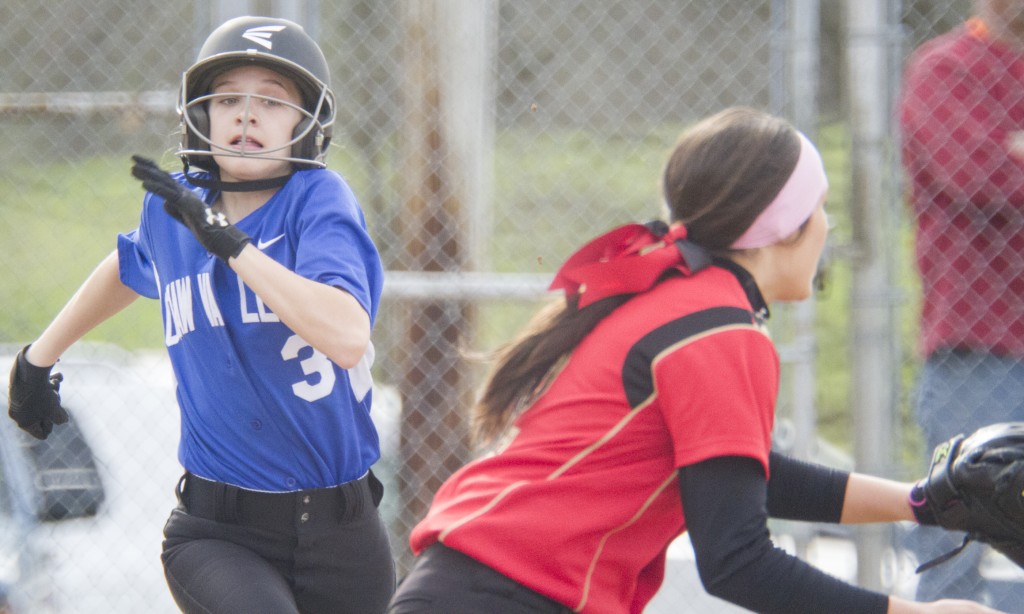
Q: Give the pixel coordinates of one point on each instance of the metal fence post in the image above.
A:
(796, 24)
(872, 308)
(443, 156)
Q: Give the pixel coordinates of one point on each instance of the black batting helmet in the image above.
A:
(278, 44)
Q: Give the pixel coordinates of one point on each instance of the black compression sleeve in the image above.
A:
(725, 506)
(804, 491)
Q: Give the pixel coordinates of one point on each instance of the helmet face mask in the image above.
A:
(307, 146)
(279, 45)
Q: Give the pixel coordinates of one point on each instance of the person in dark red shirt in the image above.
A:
(641, 406)
(962, 125)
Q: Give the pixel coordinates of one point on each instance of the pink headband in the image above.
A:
(793, 205)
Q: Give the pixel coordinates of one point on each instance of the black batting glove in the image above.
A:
(218, 236)
(34, 397)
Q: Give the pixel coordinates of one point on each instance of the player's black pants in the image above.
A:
(445, 581)
(232, 551)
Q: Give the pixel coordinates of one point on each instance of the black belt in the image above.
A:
(233, 505)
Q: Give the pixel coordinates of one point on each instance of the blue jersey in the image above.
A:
(260, 408)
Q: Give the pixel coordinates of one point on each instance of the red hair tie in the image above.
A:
(628, 260)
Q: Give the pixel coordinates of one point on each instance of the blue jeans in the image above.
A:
(959, 392)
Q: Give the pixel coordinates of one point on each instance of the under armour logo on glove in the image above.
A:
(215, 219)
(219, 236)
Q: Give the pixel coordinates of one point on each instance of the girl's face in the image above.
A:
(798, 261)
(248, 117)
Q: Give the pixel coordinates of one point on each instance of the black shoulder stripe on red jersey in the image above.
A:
(637, 374)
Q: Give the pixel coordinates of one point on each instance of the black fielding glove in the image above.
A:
(976, 484)
(218, 236)
(34, 397)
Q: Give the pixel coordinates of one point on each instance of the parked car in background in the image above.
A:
(81, 513)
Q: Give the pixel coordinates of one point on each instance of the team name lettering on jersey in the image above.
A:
(209, 300)
(179, 315)
(260, 313)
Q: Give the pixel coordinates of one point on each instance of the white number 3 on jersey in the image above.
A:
(320, 370)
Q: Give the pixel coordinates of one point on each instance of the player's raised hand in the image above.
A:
(34, 397)
(218, 236)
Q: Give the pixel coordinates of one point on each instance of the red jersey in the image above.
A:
(962, 109)
(584, 501)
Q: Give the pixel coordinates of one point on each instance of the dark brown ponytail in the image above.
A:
(523, 365)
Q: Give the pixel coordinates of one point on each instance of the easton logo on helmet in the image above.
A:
(262, 34)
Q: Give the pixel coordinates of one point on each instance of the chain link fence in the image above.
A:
(961, 119)
(485, 140)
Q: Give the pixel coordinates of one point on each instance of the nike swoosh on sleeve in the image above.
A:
(261, 244)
